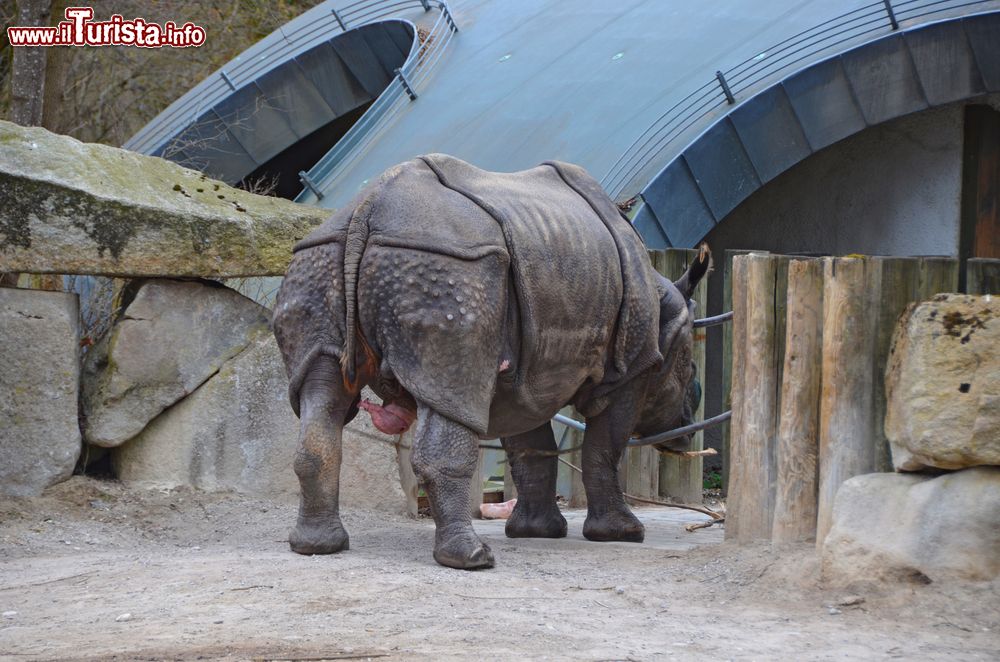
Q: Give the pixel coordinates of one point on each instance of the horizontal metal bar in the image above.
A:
(676, 433)
(656, 438)
(566, 420)
(714, 320)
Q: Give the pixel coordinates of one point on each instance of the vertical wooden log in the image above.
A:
(407, 479)
(681, 478)
(937, 275)
(798, 430)
(694, 478)
(982, 276)
(896, 282)
(476, 488)
(727, 359)
(639, 474)
(509, 490)
(755, 394)
(578, 495)
(847, 395)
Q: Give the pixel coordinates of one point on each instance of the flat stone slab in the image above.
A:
(69, 207)
(664, 530)
(39, 385)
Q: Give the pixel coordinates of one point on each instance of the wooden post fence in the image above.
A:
(805, 422)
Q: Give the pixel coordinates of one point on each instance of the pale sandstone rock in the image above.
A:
(69, 207)
(172, 337)
(39, 381)
(915, 527)
(238, 432)
(943, 384)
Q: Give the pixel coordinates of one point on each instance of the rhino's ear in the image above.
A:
(697, 270)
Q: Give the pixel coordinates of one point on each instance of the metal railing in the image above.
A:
(402, 90)
(727, 87)
(309, 30)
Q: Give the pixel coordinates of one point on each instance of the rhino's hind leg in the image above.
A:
(324, 405)
(534, 467)
(608, 516)
(445, 457)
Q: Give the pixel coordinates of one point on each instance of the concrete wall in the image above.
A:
(893, 189)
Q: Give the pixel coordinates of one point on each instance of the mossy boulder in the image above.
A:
(69, 207)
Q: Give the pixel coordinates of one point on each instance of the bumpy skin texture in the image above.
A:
(480, 304)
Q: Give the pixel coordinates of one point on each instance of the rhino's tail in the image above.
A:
(354, 249)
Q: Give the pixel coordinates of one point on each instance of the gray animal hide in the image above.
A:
(449, 272)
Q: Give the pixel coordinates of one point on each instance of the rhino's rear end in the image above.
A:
(309, 311)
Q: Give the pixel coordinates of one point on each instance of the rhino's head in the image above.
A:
(674, 392)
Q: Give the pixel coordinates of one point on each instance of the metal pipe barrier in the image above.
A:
(726, 88)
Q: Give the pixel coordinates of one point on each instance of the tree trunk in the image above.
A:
(28, 68)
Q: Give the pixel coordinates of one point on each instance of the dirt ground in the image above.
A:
(94, 571)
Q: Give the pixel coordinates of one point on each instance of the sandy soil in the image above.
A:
(97, 572)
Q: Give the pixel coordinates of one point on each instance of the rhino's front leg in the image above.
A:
(606, 438)
(445, 457)
(534, 467)
(324, 405)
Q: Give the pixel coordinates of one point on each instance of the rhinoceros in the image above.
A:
(477, 304)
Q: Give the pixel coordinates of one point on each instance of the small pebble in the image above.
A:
(9, 614)
(833, 611)
(850, 600)
(619, 590)
(121, 618)
(217, 622)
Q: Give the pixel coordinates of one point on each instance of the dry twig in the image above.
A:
(685, 506)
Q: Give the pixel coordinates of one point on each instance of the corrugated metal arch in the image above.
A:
(906, 72)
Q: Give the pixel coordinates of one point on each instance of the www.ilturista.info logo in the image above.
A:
(79, 30)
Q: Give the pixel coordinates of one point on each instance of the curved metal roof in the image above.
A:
(622, 88)
(530, 80)
(906, 72)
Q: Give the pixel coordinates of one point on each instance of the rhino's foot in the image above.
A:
(613, 525)
(523, 523)
(463, 550)
(308, 538)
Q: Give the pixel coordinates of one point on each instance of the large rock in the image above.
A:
(943, 384)
(39, 377)
(172, 337)
(237, 431)
(915, 527)
(78, 208)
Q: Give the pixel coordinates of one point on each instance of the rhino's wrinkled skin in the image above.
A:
(481, 303)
